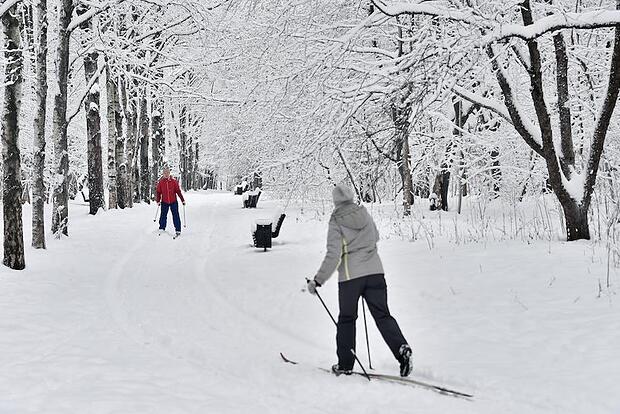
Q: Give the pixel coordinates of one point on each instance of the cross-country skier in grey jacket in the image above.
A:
(352, 249)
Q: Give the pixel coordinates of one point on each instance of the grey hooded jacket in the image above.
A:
(351, 244)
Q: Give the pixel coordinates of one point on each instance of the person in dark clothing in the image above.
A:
(352, 249)
(166, 196)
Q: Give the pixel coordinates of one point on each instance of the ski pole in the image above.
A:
(184, 218)
(366, 329)
(156, 214)
(333, 320)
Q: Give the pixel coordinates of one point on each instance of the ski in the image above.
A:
(174, 236)
(398, 380)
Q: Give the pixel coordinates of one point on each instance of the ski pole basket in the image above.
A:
(263, 233)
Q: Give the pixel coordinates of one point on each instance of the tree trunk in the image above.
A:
(183, 152)
(404, 167)
(158, 144)
(38, 172)
(442, 183)
(27, 28)
(131, 149)
(113, 134)
(567, 157)
(401, 109)
(458, 132)
(93, 130)
(135, 182)
(122, 181)
(12, 188)
(190, 163)
(145, 175)
(576, 216)
(496, 173)
(196, 184)
(60, 209)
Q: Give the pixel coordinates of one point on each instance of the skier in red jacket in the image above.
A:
(166, 197)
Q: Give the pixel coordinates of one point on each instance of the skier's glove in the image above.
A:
(312, 285)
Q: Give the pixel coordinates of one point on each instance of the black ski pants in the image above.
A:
(374, 290)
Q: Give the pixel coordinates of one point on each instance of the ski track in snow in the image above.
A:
(117, 319)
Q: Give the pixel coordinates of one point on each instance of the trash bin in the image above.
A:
(262, 235)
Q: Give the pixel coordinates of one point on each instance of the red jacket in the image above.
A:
(167, 190)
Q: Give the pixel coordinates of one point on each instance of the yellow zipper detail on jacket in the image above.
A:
(346, 260)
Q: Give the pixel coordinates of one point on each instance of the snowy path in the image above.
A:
(119, 320)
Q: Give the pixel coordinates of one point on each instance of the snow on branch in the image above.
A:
(495, 31)
(487, 103)
(75, 23)
(586, 20)
(162, 29)
(431, 8)
(6, 5)
(375, 50)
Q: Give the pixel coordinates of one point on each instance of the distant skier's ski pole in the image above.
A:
(184, 219)
(334, 320)
(366, 329)
(156, 214)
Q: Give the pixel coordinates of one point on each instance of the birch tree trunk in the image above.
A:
(122, 184)
(400, 114)
(27, 29)
(38, 171)
(93, 126)
(404, 168)
(112, 92)
(183, 152)
(145, 176)
(159, 143)
(135, 148)
(496, 173)
(130, 147)
(60, 209)
(197, 183)
(190, 163)
(12, 187)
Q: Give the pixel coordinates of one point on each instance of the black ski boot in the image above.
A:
(406, 362)
(336, 370)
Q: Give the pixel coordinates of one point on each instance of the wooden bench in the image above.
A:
(250, 198)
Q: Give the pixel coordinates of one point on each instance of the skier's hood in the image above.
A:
(351, 216)
(342, 195)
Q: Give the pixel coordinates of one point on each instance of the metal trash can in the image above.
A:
(262, 235)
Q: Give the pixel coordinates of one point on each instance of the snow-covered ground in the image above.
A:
(116, 319)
